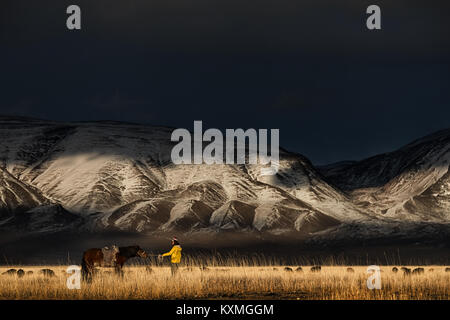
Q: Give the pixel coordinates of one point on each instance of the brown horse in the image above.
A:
(94, 258)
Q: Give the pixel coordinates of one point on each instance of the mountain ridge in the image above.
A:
(119, 176)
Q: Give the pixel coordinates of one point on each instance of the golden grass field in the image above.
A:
(333, 282)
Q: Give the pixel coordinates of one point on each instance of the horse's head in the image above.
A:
(132, 251)
(141, 253)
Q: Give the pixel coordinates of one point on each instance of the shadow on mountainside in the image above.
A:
(67, 248)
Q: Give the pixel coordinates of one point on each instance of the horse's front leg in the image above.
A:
(119, 270)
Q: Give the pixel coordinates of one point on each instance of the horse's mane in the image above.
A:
(129, 252)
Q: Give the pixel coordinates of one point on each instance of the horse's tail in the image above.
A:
(85, 274)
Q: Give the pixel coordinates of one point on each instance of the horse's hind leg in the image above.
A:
(86, 272)
(86, 275)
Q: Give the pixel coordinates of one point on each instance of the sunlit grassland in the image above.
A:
(229, 282)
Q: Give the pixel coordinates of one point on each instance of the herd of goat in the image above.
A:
(21, 273)
(50, 273)
(406, 271)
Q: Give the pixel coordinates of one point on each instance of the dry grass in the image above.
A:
(333, 282)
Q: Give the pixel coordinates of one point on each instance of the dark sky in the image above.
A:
(336, 90)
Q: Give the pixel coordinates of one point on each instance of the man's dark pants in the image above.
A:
(174, 268)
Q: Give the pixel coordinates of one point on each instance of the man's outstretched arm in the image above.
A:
(168, 253)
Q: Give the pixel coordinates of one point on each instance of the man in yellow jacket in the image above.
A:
(175, 255)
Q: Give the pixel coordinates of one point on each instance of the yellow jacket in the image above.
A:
(175, 254)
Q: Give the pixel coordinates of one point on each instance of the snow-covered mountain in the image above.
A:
(412, 183)
(109, 175)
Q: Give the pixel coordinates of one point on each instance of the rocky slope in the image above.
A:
(106, 175)
(411, 183)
